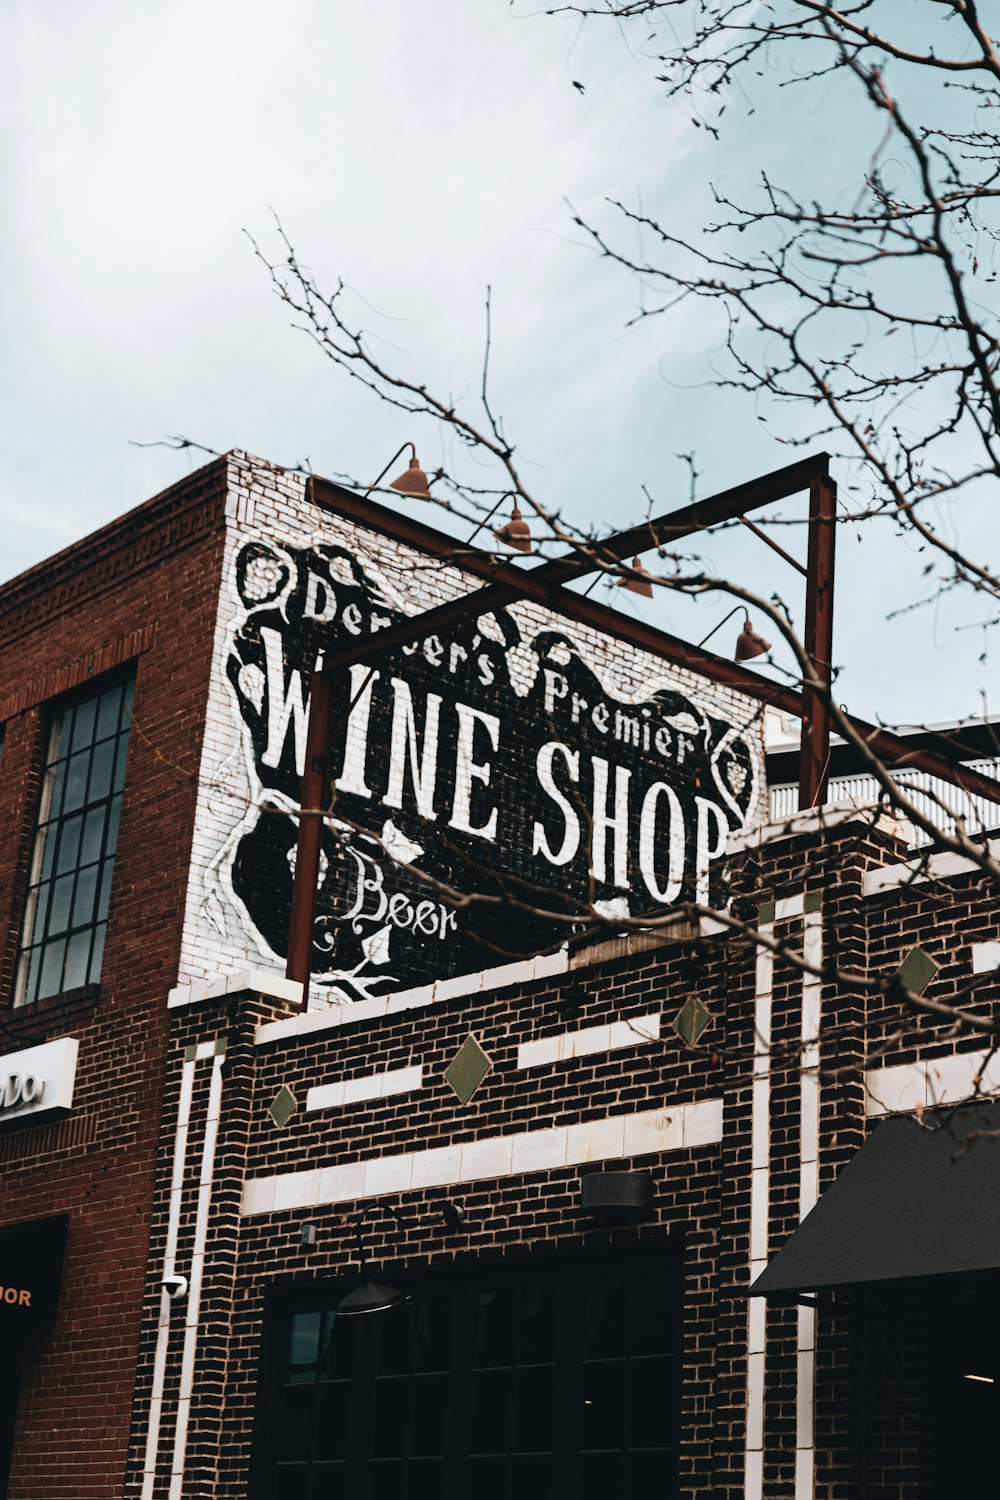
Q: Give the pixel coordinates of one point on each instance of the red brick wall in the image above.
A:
(146, 590)
(142, 590)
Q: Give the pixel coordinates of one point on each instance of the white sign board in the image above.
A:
(38, 1081)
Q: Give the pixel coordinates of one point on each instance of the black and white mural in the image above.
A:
(501, 763)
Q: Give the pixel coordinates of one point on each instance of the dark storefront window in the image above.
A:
(31, 1262)
(500, 1385)
(962, 1397)
(67, 910)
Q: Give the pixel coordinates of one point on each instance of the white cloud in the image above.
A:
(420, 149)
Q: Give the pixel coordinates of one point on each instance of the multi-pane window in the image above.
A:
(67, 910)
(501, 1383)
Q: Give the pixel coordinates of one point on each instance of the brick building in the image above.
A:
(572, 1148)
(126, 612)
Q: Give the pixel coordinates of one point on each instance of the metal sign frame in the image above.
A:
(504, 583)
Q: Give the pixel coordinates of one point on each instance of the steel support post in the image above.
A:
(305, 885)
(504, 583)
(814, 757)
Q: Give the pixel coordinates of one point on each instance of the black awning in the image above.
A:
(916, 1200)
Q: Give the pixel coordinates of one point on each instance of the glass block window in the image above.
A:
(70, 890)
(549, 1378)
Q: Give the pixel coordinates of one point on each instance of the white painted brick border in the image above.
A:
(612, 1037)
(760, 1198)
(917, 871)
(985, 957)
(809, 1110)
(648, 1132)
(311, 1021)
(905, 1087)
(239, 981)
(372, 1086)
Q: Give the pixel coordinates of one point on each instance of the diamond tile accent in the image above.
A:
(691, 1020)
(283, 1107)
(467, 1069)
(917, 970)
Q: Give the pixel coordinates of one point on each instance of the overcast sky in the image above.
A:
(421, 149)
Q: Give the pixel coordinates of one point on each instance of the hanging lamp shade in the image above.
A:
(515, 533)
(749, 644)
(643, 584)
(370, 1297)
(412, 482)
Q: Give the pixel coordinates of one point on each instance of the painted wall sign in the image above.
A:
(510, 760)
(38, 1081)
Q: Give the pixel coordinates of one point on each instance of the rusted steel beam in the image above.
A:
(814, 757)
(504, 583)
(769, 541)
(728, 505)
(305, 883)
(512, 582)
(898, 755)
(534, 586)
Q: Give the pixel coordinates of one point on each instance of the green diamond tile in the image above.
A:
(691, 1020)
(220, 1046)
(283, 1107)
(917, 970)
(813, 901)
(467, 1069)
(765, 913)
(190, 1052)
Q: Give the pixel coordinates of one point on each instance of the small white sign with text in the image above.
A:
(39, 1080)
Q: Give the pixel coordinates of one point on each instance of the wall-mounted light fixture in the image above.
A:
(748, 643)
(638, 580)
(453, 1215)
(616, 1193)
(516, 532)
(412, 481)
(370, 1296)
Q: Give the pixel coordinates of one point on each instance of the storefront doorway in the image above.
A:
(31, 1261)
(540, 1378)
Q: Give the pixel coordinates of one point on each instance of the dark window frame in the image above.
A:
(75, 840)
(574, 1462)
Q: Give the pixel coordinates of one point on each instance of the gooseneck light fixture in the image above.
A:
(412, 481)
(748, 643)
(370, 1296)
(516, 532)
(638, 580)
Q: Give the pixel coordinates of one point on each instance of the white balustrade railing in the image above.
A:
(981, 816)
